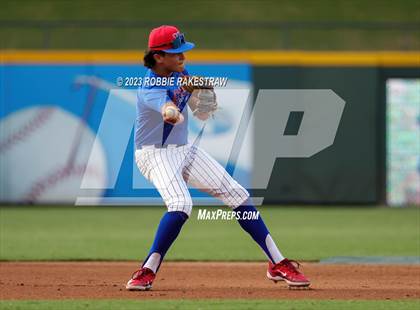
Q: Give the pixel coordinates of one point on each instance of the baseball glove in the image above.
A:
(204, 102)
(203, 98)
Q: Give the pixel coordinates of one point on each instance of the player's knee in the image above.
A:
(183, 204)
(239, 191)
(236, 195)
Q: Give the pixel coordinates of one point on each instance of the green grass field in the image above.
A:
(125, 233)
(226, 37)
(211, 304)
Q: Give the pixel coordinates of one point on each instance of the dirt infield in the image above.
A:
(190, 280)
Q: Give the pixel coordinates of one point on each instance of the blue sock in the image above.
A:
(259, 232)
(169, 227)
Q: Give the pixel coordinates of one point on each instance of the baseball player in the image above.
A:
(164, 156)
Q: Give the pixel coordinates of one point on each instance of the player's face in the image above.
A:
(174, 62)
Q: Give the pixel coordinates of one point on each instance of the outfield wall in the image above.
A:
(352, 170)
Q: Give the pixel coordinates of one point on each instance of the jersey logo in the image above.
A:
(179, 97)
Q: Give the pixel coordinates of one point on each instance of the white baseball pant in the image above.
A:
(170, 169)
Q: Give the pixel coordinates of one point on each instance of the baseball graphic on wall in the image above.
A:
(44, 152)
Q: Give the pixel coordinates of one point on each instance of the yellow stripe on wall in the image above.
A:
(257, 57)
(303, 58)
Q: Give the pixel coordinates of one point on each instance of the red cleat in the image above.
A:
(286, 270)
(141, 280)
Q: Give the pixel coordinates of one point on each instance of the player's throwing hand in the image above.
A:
(171, 114)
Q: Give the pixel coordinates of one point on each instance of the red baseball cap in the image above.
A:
(168, 39)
